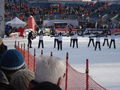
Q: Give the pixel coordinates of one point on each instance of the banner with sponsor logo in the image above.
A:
(2, 18)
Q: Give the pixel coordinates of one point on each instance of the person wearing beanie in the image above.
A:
(4, 83)
(11, 61)
(49, 69)
(3, 47)
(20, 80)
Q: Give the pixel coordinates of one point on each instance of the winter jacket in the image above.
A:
(3, 48)
(4, 83)
(43, 86)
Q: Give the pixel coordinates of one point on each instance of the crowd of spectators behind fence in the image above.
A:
(86, 12)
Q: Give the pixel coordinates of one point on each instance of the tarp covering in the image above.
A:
(16, 22)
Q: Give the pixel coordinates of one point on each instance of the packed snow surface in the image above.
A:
(104, 65)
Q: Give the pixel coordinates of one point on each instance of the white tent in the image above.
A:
(16, 22)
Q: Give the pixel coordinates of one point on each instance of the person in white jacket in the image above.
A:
(97, 43)
(75, 40)
(112, 41)
(106, 41)
(60, 41)
(71, 39)
(41, 40)
(91, 40)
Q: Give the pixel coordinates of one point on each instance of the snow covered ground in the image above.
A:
(104, 64)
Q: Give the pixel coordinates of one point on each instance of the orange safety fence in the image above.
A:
(30, 60)
(77, 81)
(73, 80)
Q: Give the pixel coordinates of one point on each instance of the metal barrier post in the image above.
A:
(34, 60)
(18, 45)
(15, 44)
(41, 52)
(51, 54)
(28, 57)
(66, 80)
(87, 74)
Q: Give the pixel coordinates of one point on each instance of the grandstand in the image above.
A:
(87, 13)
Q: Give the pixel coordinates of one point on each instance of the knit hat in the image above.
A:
(3, 78)
(12, 60)
(1, 40)
(20, 80)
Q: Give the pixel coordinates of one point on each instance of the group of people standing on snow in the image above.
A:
(97, 43)
(73, 40)
(57, 40)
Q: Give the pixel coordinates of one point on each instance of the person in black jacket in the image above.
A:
(30, 37)
(55, 40)
(3, 47)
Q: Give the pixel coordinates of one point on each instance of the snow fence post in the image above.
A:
(87, 74)
(24, 50)
(41, 52)
(28, 56)
(66, 80)
(18, 45)
(34, 60)
(15, 44)
(51, 54)
(21, 48)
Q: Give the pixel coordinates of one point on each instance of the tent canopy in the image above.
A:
(16, 22)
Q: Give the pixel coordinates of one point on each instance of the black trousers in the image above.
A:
(71, 41)
(75, 41)
(40, 42)
(91, 41)
(112, 41)
(106, 40)
(97, 44)
(55, 42)
(29, 43)
(59, 45)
